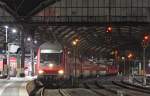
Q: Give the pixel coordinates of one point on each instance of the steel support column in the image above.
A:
(22, 55)
(144, 71)
(32, 60)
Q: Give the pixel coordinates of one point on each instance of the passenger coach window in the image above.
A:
(50, 58)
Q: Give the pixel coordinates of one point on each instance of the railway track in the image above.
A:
(42, 91)
(101, 91)
(110, 89)
(61, 92)
(119, 90)
(140, 82)
(130, 90)
(115, 89)
(137, 87)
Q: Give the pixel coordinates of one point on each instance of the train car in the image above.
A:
(111, 70)
(86, 68)
(54, 63)
(49, 61)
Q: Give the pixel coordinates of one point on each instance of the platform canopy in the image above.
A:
(87, 20)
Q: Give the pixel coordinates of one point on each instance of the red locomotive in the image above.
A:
(54, 62)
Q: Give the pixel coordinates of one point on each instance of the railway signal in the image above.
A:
(145, 42)
(108, 36)
(109, 29)
(146, 37)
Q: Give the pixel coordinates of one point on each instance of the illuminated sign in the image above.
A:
(13, 48)
(50, 51)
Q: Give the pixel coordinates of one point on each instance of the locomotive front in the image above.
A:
(50, 58)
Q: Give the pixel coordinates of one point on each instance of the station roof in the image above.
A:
(127, 29)
(24, 7)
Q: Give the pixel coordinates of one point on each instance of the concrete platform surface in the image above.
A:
(13, 88)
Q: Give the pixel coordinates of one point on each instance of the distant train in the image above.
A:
(54, 62)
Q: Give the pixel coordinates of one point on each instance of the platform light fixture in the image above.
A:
(35, 41)
(69, 52)
(6, 26)
(130, 55)
(74, 43)
(123, 58)
(28, 39)
(77, 40)
(14, 30)
(7, 45)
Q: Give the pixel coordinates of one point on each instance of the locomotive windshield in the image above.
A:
(50, 58)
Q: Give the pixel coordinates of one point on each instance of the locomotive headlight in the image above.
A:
(41, 72)
(51, 65)
(61, 72)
